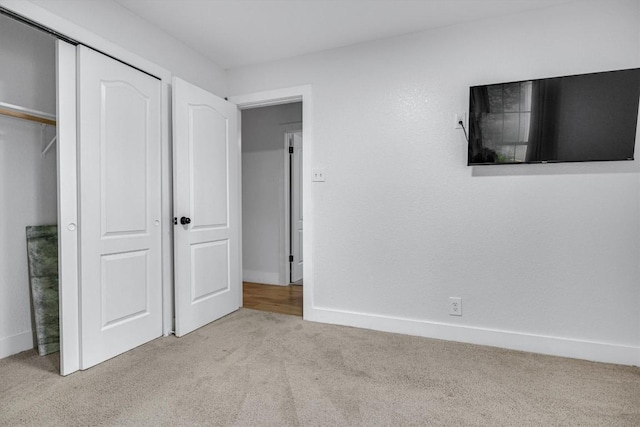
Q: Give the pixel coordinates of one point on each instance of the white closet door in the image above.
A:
(67, 207)
(206, 160)
(120, 207)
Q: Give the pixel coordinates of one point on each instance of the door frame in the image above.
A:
(287, 203)
(286, 96)
(70, 306)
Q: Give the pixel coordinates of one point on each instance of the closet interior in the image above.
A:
(28, 187)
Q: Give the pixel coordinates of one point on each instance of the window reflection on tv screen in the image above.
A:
(588, 117)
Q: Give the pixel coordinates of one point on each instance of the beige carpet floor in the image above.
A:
(261, 369)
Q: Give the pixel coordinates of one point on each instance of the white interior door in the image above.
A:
(120, 207)
(296, 207)
(206, 159)
(66, 144)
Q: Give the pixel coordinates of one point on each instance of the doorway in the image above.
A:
(48, 80)
(272, 207)
(28, 193)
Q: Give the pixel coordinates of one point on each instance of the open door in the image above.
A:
(296, 226)
(206, 167)
(120, 207)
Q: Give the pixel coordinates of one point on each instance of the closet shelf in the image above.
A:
(27, 114)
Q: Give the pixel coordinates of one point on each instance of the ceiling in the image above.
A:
(233, 33)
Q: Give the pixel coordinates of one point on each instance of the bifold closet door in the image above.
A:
(120, 207)
(206, 166)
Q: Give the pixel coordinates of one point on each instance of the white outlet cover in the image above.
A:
(457, 118)
(455, 306)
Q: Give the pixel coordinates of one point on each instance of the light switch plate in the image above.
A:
(317, 175)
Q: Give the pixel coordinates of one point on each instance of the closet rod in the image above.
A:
(27, 114)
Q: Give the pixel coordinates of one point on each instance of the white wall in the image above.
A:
(114, 23)
(27, 181)
(545, 257)
(263, 191)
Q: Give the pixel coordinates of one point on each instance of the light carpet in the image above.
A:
(254, 368)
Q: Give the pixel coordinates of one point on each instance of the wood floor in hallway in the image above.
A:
(273, 298)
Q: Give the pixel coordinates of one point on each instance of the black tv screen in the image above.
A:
(587, 117)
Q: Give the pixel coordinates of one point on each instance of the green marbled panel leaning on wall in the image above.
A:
(42, 248)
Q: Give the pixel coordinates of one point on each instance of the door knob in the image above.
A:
(184, 220)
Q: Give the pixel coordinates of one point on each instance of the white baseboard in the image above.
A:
(563, 347)
(264, 277)
(16, 344)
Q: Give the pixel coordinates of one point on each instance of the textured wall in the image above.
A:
(116, 24)
(535, 251)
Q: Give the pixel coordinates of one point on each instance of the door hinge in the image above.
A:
(290, 258)
(290, 150)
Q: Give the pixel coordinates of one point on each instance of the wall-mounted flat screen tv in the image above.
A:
(587, 117)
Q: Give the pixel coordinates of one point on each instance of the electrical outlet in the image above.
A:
(459, 117)
(455, 306)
